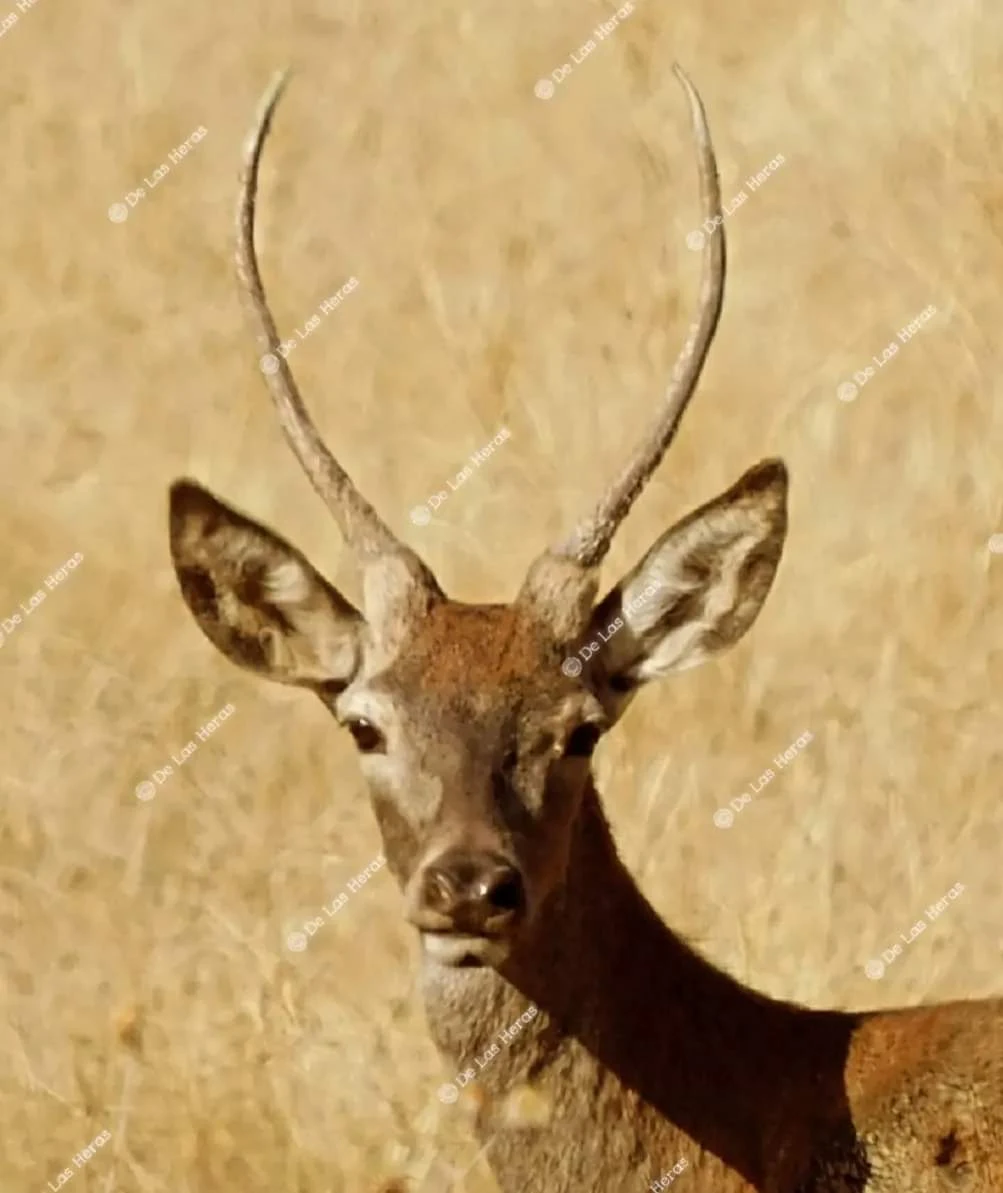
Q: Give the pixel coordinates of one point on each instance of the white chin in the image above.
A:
(462, 952)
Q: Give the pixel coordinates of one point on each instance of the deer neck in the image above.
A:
(629, 1015)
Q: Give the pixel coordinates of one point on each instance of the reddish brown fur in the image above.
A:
(469, 648)
(646, 1054)
(642, 1054)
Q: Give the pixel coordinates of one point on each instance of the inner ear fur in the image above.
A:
(699, 589)
(256, 597)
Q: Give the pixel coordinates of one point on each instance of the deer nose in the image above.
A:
(470, 893)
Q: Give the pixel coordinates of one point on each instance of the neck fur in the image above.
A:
(632, 1018)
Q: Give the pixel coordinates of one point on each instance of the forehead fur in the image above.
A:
(456, 649)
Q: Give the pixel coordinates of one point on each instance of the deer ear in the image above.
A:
(257, 598)
(699, 588)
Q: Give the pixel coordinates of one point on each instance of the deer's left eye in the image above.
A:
(367, 737)
(582, 741)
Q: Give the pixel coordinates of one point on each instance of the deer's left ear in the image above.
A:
(699, 588)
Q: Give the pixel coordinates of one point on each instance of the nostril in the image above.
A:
(439, 889)
(505, 892)
(471, 892)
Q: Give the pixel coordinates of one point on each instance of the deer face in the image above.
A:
(475, 743)
(474, 736)
(476, 750)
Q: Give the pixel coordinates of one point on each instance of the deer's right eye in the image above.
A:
(582, 741)
(367, 737)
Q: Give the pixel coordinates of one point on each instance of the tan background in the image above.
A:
(521, 262)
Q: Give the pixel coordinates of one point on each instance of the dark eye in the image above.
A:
(622, 683)
(582, 741)
(367, 737)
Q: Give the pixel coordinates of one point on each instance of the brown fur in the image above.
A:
(642, 1054)
(473, 741)
(646, 1054)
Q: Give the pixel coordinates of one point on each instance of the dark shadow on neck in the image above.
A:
(736, 1071)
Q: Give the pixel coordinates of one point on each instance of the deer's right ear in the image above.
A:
(256, 598)
(700, 587)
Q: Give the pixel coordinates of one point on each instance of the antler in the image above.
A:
(361, 526)
(589, 542)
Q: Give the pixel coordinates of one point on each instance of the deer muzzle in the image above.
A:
(467, 905)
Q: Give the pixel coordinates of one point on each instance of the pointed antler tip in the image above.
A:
(591, 539)
(275, 88)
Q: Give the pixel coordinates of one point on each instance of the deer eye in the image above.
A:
(367, 737)
(582, 741)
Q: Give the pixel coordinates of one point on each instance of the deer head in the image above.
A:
(475, 741)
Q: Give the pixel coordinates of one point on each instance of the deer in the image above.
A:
(648, 1065)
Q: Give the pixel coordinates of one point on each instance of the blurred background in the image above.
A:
(522, 262)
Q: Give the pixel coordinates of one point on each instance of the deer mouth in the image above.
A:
(459, 950)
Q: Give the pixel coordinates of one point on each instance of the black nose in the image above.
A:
(475, 893)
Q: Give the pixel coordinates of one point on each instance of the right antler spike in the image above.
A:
(591, 539)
